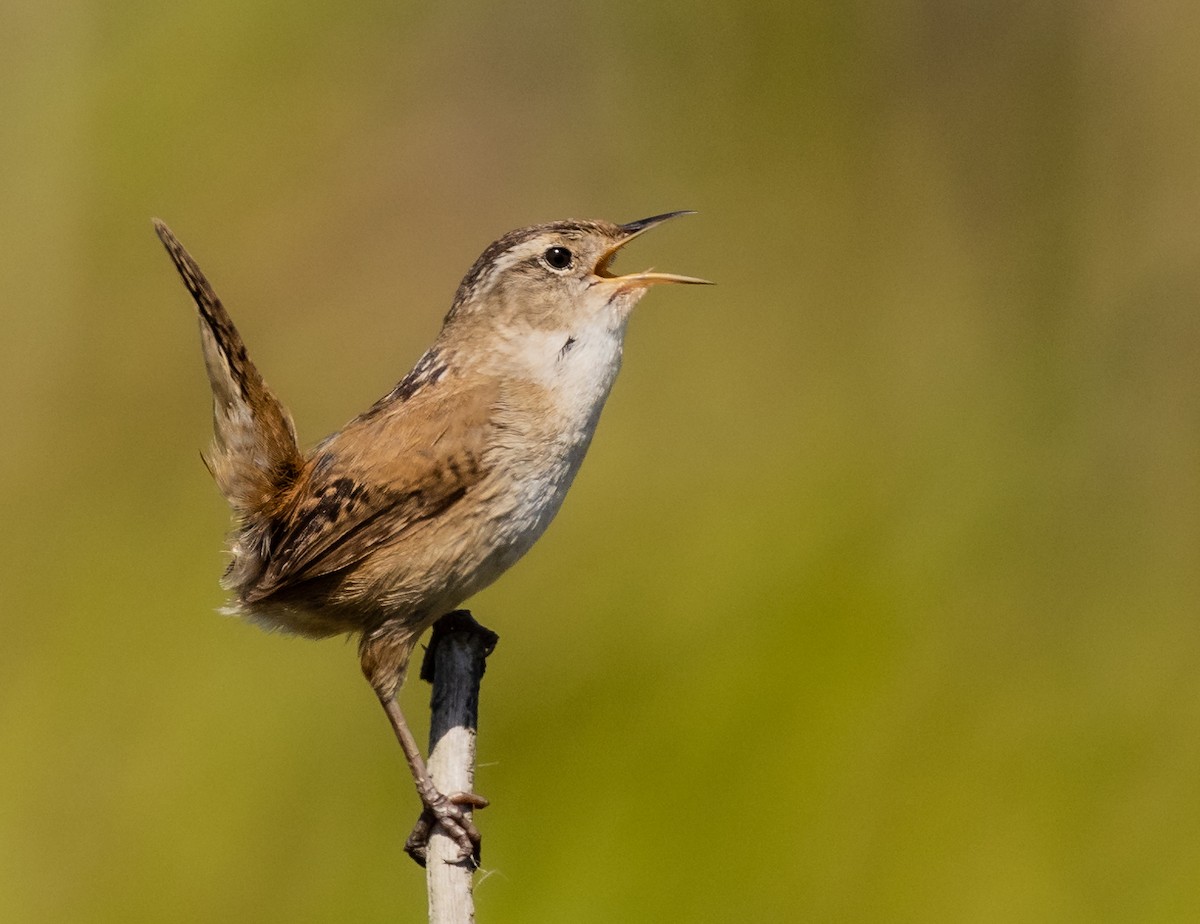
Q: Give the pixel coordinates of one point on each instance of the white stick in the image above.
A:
(454, 664)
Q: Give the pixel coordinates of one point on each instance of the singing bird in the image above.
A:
(440, 486)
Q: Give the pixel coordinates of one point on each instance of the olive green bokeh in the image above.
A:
(877, 597)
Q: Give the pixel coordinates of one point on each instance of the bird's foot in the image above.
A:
(452, 813)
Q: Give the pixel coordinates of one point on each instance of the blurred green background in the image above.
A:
(877, 597)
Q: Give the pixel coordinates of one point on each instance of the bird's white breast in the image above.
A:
(547, 428)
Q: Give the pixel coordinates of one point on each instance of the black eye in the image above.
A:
(558, 258)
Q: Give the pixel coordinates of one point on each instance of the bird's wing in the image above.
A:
(400, 464)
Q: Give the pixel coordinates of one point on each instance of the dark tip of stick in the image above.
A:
(458, 621)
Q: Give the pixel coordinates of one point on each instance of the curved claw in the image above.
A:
(451, 812)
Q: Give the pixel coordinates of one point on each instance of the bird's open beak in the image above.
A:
(649, 277)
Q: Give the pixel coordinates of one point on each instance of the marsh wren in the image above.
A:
(441, 485)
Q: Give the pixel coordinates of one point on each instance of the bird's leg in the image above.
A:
(451, 811)
(384, 657)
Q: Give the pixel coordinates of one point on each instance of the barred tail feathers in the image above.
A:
(254, 454)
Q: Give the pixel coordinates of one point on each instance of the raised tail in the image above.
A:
(254, 456)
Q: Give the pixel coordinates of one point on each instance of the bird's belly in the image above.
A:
(517, 516)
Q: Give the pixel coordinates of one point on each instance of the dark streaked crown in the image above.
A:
(480, 273)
